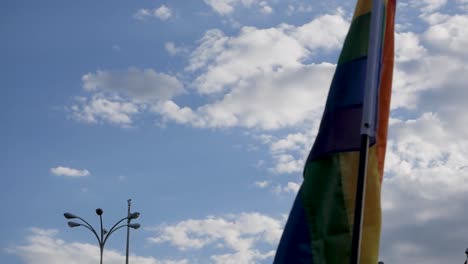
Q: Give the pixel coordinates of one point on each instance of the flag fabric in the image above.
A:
(319, 228)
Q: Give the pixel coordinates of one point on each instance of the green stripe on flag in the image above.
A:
(323, 201)
(357, 40)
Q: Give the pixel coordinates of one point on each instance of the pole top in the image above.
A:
(129, 201)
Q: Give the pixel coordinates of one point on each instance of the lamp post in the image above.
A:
(104, 234)
(466, 252)
(128, 229)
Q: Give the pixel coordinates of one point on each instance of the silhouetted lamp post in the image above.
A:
(128, 228)
(104, 234)
(466, 252)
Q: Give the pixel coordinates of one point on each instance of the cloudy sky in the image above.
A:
(202, 112)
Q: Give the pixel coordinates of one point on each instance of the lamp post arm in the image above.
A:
(90, 227)
(113, 230)
(94, 232)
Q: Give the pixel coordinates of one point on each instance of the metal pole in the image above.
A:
(466, 252)
(369, 121)
(360, 198)
(101, 243)
(128, 229)
(101, 247)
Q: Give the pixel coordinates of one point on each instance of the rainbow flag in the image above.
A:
(320, 225)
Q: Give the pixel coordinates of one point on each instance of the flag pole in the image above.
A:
(369, 120)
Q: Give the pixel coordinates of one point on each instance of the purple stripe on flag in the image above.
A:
(339, 131)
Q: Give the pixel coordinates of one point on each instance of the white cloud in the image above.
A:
(265, 8)
(139, 85)
(325, 32)
(289, 152)
(185, 115)
(292, 187)
(117, 97)
(227, 7)
(428, 6)
(408, 47)
(258, 88)
(426, 166)
(163, 13)
(210, 45)
(44, 247)
(286, 164)
(69, 172)
(425, 157)
(262, 184)
(239, 235)
(229, 60)
(426, 176)
(100, 109)
(424, 67)
(173, 50)
(449, 33)
(291, 142)
(421, 230)
(142, 14)
(245, 56)
(298, 8)
(434, 18)
(263, 101)
(221, 7)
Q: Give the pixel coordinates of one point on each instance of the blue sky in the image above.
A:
(202, 112)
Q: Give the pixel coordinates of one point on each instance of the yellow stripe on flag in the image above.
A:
(362, 7)
(349, 162)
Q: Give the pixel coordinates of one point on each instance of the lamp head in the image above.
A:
(73, 224)
(69, 216)
(466, 251)
(134, 215)
(134, 226)
(99, 211)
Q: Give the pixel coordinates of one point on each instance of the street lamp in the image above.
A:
(130, 216)
(104, 234)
